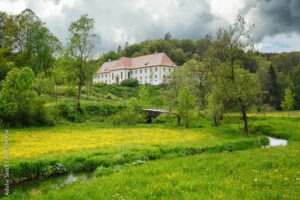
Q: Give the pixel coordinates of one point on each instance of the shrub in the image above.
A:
(41, 115)
(133, 114)
(70, 91)
(69, 112)
(128, 118)
(164, 118)
(102, 109)
(132, 82)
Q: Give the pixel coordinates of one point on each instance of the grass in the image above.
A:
(250, 174)
(179, 163)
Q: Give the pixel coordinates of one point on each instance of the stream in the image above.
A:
(56, 183)
(274, 142)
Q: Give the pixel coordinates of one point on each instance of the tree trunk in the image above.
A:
(88, 91)
(215, 120)
(245, 120)
(178, 120)
(78, 96)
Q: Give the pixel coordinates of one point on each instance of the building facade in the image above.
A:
(151, 69)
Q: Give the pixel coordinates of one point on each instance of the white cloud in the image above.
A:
(280, 43)
(13, 7)
(228, 9)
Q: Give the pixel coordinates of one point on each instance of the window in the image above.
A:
(164, 69)
(155, 76)
(150, 69)
(105, 75)
(145, 70)
(102, 75)
(156, 69)
(121, 75)
(135, 71)
(140, 71)
(140, 77)
(146, 77)
(112, 76)
(169, 69)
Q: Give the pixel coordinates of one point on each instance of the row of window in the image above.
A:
(112, 75)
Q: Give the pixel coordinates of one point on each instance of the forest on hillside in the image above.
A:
(214, 72)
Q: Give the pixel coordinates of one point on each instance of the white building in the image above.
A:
(150, 69)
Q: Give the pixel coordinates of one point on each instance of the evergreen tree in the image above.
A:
(273, 88)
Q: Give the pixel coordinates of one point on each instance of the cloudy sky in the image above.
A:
(277, 22)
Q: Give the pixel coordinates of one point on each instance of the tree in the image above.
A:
(289, 101)
(231, 84)
(181, 94)
(27, 35)
(168, 36)
(186, 102)
(17, 97)
(3, 17)
(296, 89)
(109, 56)
(81, 44)
(126, 45)
(273, 88)
(119, 49)
(144, 96)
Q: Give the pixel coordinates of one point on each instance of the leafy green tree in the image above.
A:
(17, 96)
(3, 17)
(230, 84)
(109, 56)
(80, 48)
(181, 93)
(44, 85)
(34, 44)
(144, 96)
(186, 102)
(289, 101)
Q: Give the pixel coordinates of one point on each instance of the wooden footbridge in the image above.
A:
(153, 113)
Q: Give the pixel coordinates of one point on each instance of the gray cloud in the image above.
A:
(118, 21)
(272, 17)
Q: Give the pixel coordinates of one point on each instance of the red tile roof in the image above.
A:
(158, 59)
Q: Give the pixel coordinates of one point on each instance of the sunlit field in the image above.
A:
(58, 140)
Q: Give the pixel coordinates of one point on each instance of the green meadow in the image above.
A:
(196, 163)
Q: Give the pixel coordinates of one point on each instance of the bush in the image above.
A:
(41, 115)
(70, 91)
(69, 112)
(127, 117)
(132, 115)
(165, 118)
(102, 109)
(132, 82)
